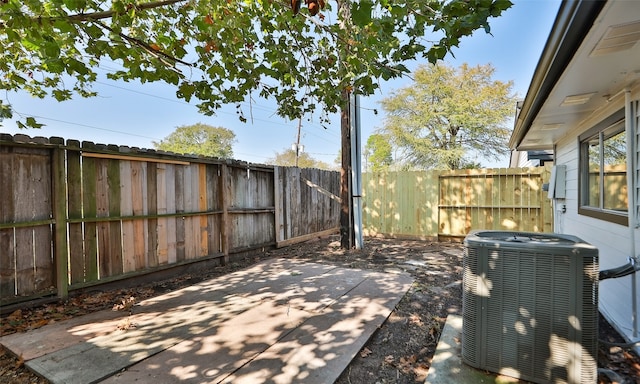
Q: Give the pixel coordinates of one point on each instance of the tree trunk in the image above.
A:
(346, 227)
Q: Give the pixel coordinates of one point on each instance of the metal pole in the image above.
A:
(356, 170)
(632, 134)
(298, 141)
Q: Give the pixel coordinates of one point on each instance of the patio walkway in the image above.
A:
(279, 321)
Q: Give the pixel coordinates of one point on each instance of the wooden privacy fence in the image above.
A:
(74, 215)
(449, 204)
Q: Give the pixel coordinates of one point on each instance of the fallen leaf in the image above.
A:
(365, 352)
(125, 325)
(415, 320)
(20, 362)
(15, 315)
(125, 304)
(421, 371)
(40, 323)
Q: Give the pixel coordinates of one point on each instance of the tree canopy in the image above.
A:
(227, 51)
(287, 158)
(199, 139)
(449, 117)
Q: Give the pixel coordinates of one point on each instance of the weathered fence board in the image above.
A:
(151, 259)
(90, 210)
(308, 202)
(139, 208)
(126, 209)
(161, 229)
(7, 244)
(179, 201)
(115, 229)
(26, 254)
(127, 212)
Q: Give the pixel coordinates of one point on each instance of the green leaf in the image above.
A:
(50, 49)
(30, 122)
(361, 12)
(186, 90)
(5, 111)
(73, 5)
(30, 45)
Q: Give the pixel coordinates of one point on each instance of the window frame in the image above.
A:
(614, 216)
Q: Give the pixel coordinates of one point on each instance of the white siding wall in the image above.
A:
(612, 240)
(520, 159)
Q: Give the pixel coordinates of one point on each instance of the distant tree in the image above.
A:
(378, 153)
(287, 158)
(449, 118)
(199, 139)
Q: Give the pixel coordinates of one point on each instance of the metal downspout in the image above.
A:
(356, 171)
(630, 127)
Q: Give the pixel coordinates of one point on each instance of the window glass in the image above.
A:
(615, 171)
(604, 179)
(593, 198)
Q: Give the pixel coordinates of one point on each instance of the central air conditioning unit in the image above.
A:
(530, 306)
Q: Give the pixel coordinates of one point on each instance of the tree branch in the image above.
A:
(108, 14)
(94, 16)
(148, 48)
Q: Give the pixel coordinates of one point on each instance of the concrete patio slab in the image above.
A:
(277, 321)
(447, 366)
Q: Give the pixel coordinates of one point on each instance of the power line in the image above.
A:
(86, 126)
(250, 105)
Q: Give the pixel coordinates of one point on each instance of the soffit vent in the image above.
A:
(618, 38)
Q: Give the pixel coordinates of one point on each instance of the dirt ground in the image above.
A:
(399, 352)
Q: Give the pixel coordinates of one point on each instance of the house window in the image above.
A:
(603, 171)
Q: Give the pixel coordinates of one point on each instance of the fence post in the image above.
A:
(278, 195)
(60, 218)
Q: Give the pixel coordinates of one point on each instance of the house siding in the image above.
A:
(612, 240)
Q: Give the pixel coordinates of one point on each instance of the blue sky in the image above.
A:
(135, 115)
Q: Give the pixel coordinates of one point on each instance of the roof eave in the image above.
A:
(574, 20)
